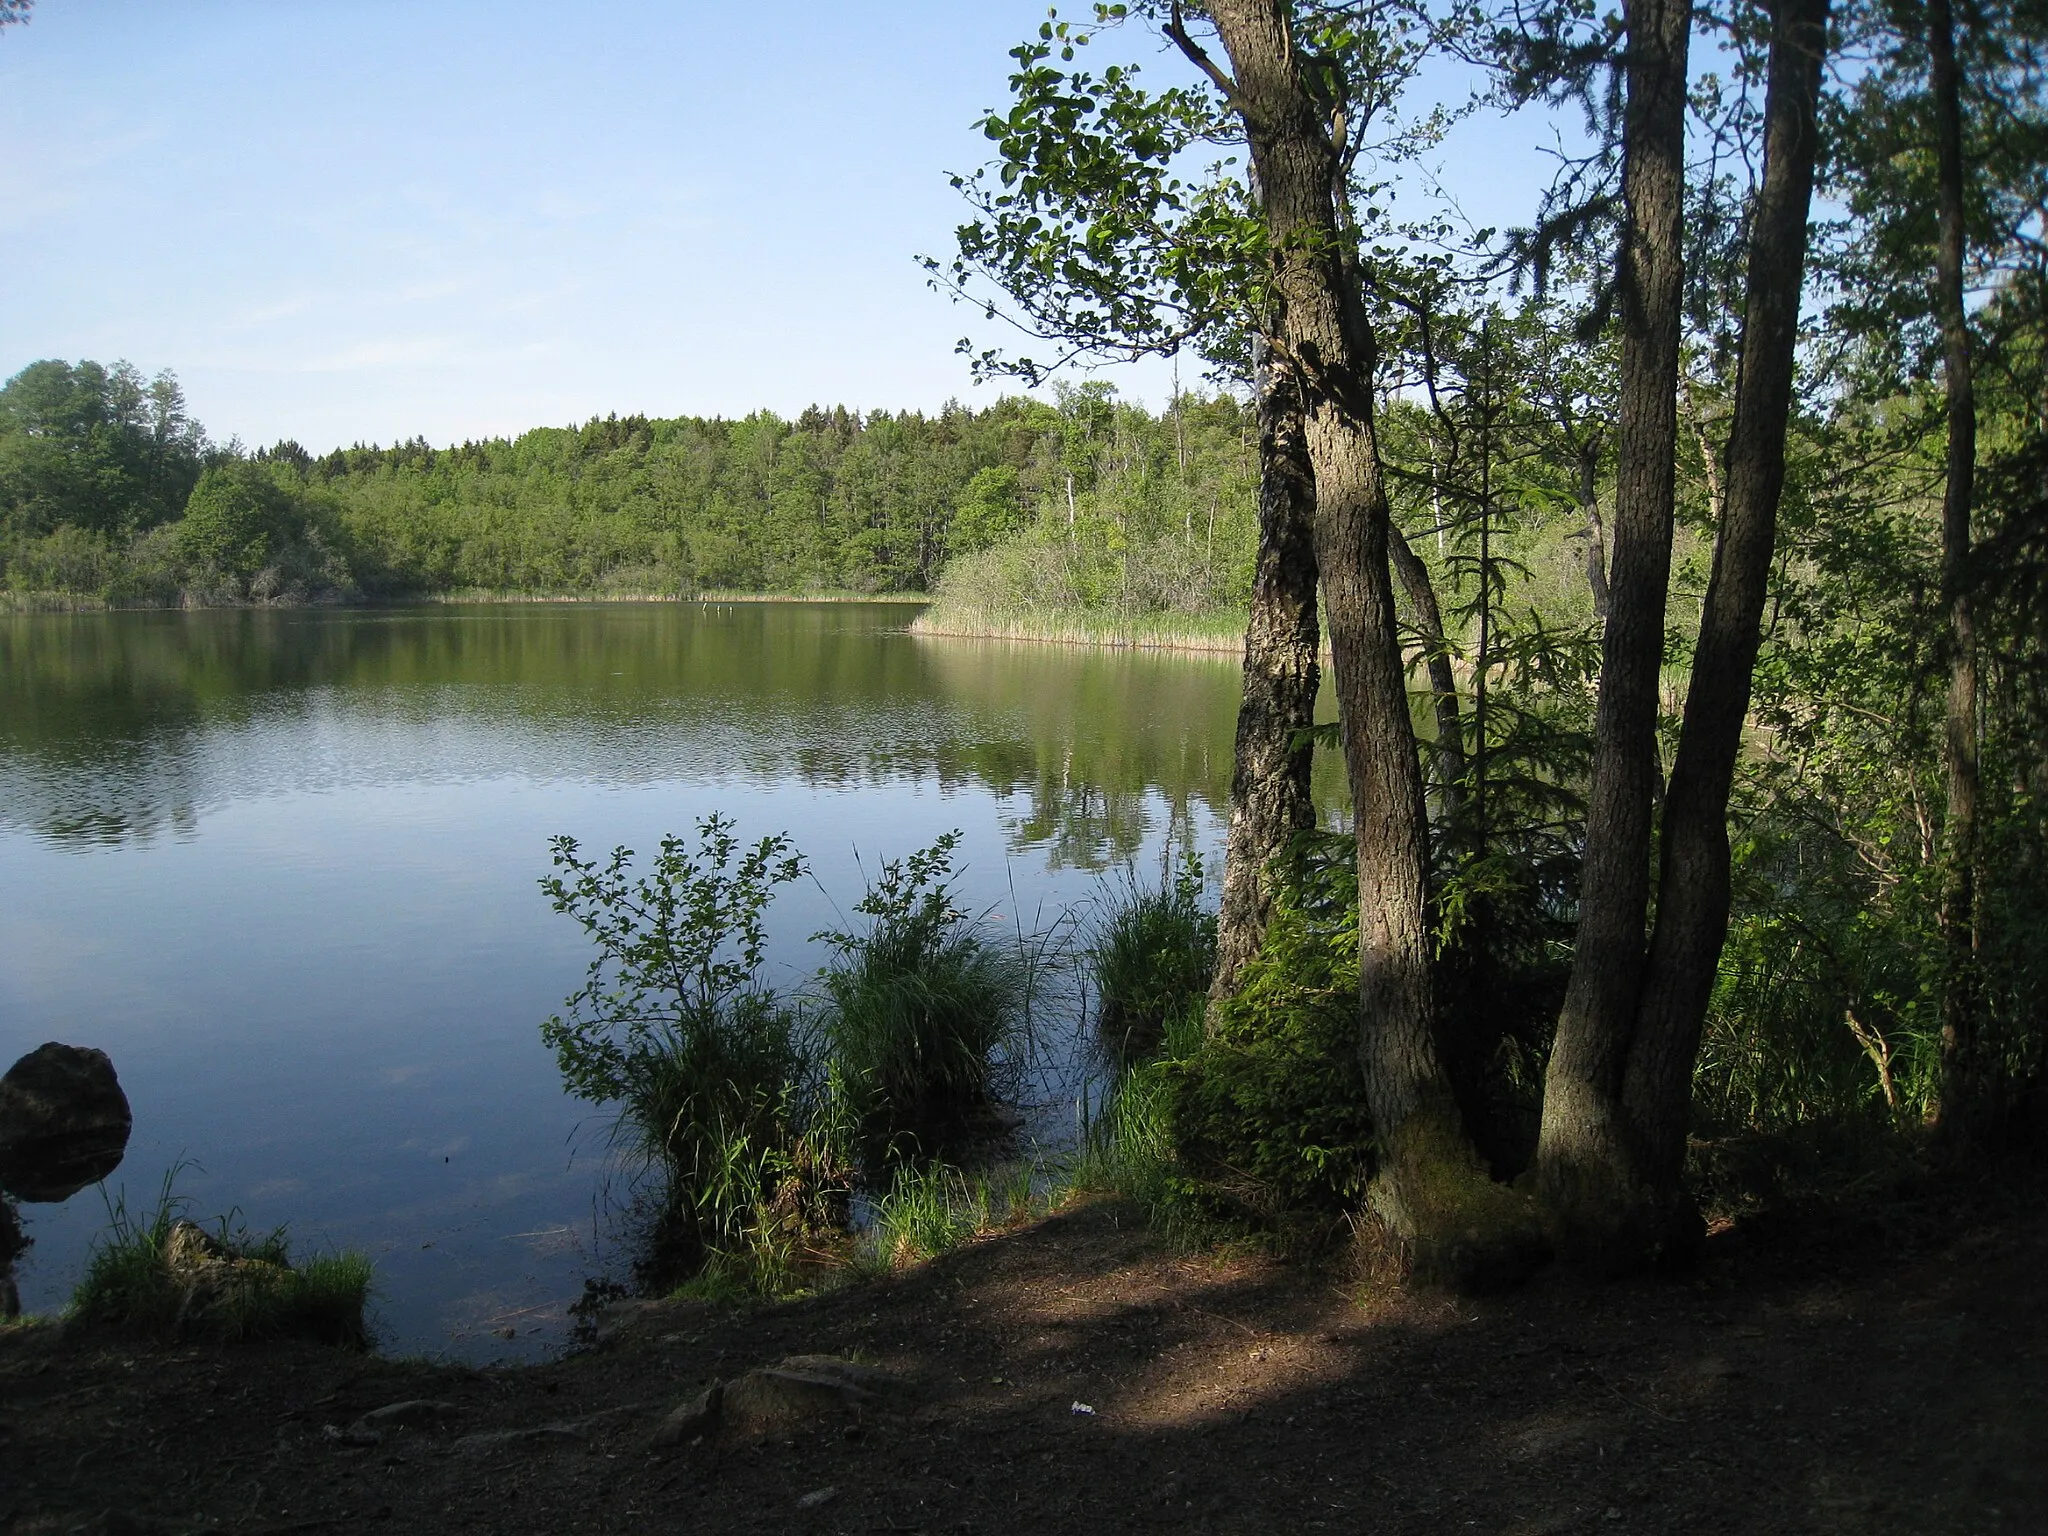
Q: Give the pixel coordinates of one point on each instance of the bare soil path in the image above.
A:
(1884, 1376)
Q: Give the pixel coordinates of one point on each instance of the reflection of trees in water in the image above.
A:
(117, 727)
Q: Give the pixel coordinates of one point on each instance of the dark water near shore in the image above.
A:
(282, 866)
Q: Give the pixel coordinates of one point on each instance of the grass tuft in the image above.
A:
(917, 1011)
(1151, 955)
(935, 1209)
(157, 1273)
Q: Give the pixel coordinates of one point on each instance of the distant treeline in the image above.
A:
(110, 491)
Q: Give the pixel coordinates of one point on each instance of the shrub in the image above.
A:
(158, 1273)
(917, 1008)
(1266, 1113)
(673, 1026)
(1151, 955)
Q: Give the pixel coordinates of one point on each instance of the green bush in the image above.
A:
(1267, 1113)
(1253, 1117)
(917, 1009)
(714, 1090)
(1151, 955)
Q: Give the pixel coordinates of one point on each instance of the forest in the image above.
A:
(110, 492)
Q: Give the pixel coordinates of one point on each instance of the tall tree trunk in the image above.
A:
(1431, 1190)
(1959, 829)
(1585, 1171)
(1693, 886)
(1449, 748)
(1596, 531)
(1269, 784)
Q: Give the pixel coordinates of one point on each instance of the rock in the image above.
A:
(577, 1430)
(801, 1392)
(804, 1390)
(413, 1413)
(117, 1522)
(13, 1244)
(208, 1274)
(619, 1320)
(357, 1435)
(688, 1421)
(817, 1497)
(64, 1122)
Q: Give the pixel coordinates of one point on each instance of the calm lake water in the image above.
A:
(282, 866)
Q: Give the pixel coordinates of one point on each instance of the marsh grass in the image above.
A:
(1151, 954)
(1217, 634)
(1126, 1140)
(919, 1010)
(935, 1209)
(145, 1275)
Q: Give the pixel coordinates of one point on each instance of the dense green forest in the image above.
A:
(108, 489)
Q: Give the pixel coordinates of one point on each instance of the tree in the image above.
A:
(1942, 151)
(1431, 1190)
(1098, 246)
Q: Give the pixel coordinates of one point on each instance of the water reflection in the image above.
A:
(126, 727)
(282, 867)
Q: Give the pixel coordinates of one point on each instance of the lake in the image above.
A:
(282, 866)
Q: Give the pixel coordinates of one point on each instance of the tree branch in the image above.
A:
(1176, 29)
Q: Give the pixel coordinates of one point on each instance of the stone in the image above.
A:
(800, 1393)
(413, 1413)
(64, 1122)
(690, 1420)
(803, 1391)
(817, 1497)
(208, 1274)
(13, 1244)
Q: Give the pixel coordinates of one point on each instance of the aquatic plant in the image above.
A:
(917, 1008)
(674, 1026)
(1151, 953)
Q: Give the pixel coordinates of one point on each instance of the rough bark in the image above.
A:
(1584, 1162)
(1959, 747)
(1693, 885)
(1269, 786)
(1432, 1191)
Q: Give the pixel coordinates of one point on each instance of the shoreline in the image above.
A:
(1067, 630)
(22, 603)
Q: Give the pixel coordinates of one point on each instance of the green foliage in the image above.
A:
(674, 1027)
(935, 1209)
(96, 448)
(1151, 954)
(1267, 1113)
(230, 1284)
(918, 1007)
(1121, 516)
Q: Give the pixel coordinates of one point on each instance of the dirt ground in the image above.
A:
(1883, 1374)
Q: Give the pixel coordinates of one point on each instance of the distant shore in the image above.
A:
(84, 602)
(1220, 635)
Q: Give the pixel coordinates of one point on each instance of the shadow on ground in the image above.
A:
(1806, 1380)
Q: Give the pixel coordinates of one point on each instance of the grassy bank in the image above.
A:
(1218, 634)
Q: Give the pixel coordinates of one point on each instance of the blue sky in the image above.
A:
(343, 220)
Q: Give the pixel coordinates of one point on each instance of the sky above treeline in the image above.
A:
(367, 220)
